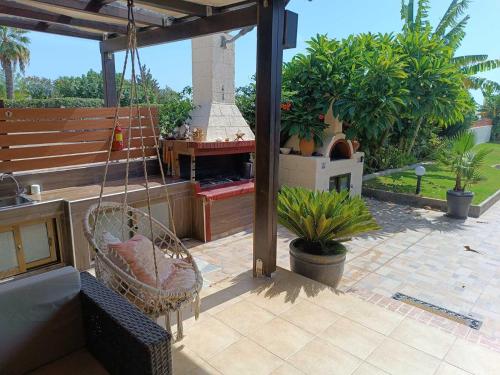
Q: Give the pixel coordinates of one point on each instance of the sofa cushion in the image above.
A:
(40, 320)
(80, 362)
(135, 257)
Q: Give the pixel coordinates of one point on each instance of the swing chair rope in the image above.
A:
(132, 50)
(152, 299)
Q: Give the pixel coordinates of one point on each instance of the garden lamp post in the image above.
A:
(419, 171)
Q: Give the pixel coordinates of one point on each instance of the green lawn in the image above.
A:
(437, 180)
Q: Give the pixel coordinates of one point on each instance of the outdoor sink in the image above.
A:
(18, 200)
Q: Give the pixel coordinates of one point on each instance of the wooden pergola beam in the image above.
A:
(187, 29)
(179, 6)
(45, 27)
(109, 10)
(25, 11)
(98, 4)
(270, 38)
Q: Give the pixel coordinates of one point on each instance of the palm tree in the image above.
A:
(451, 28)
(13, 52)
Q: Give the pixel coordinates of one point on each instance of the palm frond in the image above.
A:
(407, 13)
(449, 19)
(455, 36)
(323, 217)
(482, 66)
(422, 13)
(462, 160)
(483, 84)
(468, 59)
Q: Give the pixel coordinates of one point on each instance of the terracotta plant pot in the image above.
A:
(327, 269)
(306, 147)
(355, 145)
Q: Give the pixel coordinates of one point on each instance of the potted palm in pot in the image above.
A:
(464, 163)
(322, 221)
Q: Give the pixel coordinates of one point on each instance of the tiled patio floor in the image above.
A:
(292, 325)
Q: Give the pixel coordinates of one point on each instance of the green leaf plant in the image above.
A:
(323, 219)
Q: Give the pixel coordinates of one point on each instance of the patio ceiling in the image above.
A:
(160, 21)
(164, 21)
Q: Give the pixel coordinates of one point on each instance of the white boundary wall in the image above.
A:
(482, 133)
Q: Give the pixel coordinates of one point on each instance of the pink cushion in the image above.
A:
(138, 256)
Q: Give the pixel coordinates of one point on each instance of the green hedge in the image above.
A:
(54, 103)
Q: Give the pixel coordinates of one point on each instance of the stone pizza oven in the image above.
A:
(337, 167)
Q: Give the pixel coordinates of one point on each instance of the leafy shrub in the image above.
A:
(387, 157)
(245, 101)
(175, 110)
(54, 103)
(323, 219)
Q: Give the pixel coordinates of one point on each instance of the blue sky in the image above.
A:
(53, 56)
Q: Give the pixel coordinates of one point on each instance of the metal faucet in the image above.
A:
(19, 188)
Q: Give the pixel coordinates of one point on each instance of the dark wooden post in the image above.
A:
(270, 28)
(109, 80)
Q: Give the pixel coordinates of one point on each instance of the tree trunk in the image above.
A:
(458, 183)
(415, 134)
(9, 78)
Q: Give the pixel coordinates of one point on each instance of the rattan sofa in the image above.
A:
(65, 322)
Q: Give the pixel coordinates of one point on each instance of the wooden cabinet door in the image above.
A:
(27, 245)
(38, 244)
(11, 260)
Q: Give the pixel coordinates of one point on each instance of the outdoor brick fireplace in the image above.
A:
(217, 159)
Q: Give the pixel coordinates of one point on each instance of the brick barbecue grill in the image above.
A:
(220, 164)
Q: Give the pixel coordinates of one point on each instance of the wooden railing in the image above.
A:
(32, 139)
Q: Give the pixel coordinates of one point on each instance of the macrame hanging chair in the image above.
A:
(107, 223)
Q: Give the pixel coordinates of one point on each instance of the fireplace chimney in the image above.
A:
(216, 113)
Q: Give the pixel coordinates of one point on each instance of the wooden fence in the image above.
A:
(32, 139)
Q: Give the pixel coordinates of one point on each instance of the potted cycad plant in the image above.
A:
(464, 163)
(321, 221)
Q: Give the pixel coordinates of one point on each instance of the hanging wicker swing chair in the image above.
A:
(169, 278)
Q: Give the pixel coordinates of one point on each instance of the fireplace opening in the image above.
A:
(214, 170)
(340, 150)
(340, 183)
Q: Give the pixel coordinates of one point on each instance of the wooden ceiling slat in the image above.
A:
(109, 10)
(21, 10)
(187, 29)
(180, 6)
(35, 25)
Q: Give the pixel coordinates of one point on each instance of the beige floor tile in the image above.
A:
(203, 369)
(473, 358)
(353, 337)
(447, 369)
(374, 317)
(397, 358)
(321, 357)
(208, 338)
(185, 361)
(245, 357)
(309, 316)
(275, 299)
(337, 302)
(428, 339)
(367, 369)
(287, 369)
(280, 337)
(244, 316)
